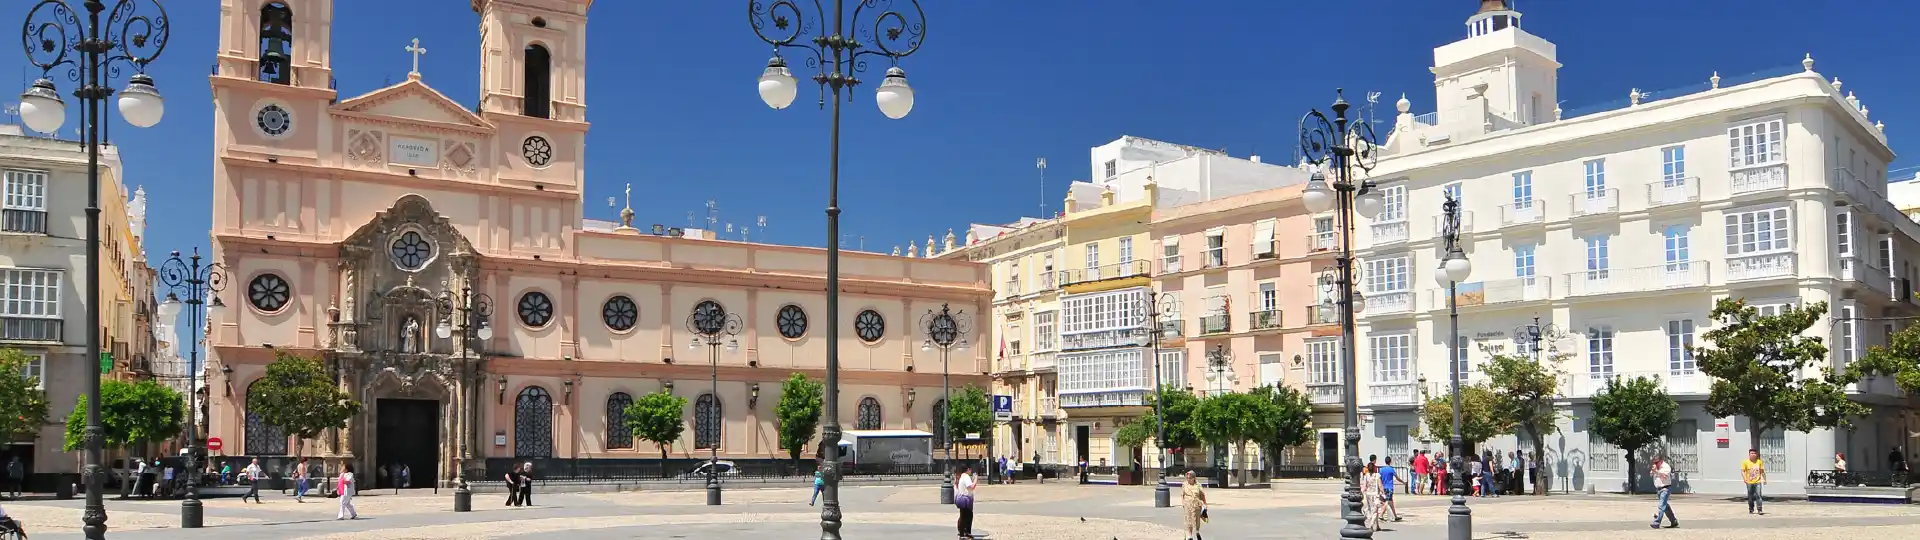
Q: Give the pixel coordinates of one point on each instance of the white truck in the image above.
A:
(886, 448)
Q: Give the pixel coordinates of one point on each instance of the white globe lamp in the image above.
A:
(1368, 204)
(41, 108)
(895, 97)
(141, 103)
(1317, 197)
(777, 86)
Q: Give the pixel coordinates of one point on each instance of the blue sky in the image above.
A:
(1000, 83)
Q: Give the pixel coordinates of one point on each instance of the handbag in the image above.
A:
(963, 500)
(1203, 514)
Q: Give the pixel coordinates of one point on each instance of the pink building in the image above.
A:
(345, 223)
(1251, 272)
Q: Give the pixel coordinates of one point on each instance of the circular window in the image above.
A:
(537, 151)
(870, 326)
(792, 321)
(273, 120)
(620, 313)
(536, 309)
(268, 292)
(411, 251)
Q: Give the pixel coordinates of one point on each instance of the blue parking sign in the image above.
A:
(1002, 404)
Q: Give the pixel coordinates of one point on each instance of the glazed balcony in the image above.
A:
(30, 329)
(1660, 277)
(1763, 266)
(1527, 212)
(1594, 203)
(1671, 192)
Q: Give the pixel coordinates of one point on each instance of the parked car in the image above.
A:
(722, 468)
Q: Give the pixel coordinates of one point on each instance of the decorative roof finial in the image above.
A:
(1403, 105)
(1882, 126)
(1854, 101)
(417, 50)
(950, 241)
(912, 249)
(626, 214)
(1808, 62)
(896, 251)
(1715, 80)
(1633, 98)
(1836, 84)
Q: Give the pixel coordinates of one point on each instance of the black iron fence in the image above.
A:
(605, 470)
(1896, 479)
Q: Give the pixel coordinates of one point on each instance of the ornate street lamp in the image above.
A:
(1151, 313)
(476, 313)
(946, 331)
(1341, 147)
(891, 34)
(57, 36)
(194, 281)
(1454, 268)
(712, 326)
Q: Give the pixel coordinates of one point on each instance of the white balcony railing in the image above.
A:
(1040, 361)
(1395, 393)
(1322, 241)
(1679, 191)
(1395, 231)
(1770, 265)
(1677, 275)
(1169, 265)
(1499, 291)
(1326, 394)
(1320, 314)
(1381, 303)
(1858, 270)
(1529, 211)
(1466, 222)
(1755, 179)
(1584, 383)
(1604, 201)
(1049, 408)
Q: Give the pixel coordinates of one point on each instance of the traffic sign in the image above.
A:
(213, 443)
(1002, 408)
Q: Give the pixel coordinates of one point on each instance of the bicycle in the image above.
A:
(11, 529)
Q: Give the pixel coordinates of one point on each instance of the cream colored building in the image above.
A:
(345, 222)
(1023, 330)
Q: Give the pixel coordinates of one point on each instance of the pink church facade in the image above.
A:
(345, 223)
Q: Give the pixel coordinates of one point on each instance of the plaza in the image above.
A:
(1054, 511)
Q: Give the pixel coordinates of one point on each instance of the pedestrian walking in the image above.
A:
(252, 475)
(1474, 470)
(406, 476)
(1663, 483)
(16, 473)
(1193, 500)
(1370, 495)
(819, 484)
(166, 484)
(1897, 460)
(1420, 464)
(1387, 477)
(226, 474)
(300, 481)
(963, 499)
(526, 484)
(346, 490)
(513, 486)
(1754, 471)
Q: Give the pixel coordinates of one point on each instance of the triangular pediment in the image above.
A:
(412, 100)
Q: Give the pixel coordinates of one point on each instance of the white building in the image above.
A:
(1622, 228)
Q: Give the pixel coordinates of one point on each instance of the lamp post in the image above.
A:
(712, 326)
(194, 281)
(890, 34)
(1152, 309)
(1454, 268)
(945, 331)
(1533, 334)
(1220, 376)
(474, 322)
(56, 36)
(1341, 147)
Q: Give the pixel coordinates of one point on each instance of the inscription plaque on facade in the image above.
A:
(415, 152)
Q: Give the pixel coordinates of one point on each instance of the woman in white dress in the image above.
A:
(1370, 495)
(346, 490)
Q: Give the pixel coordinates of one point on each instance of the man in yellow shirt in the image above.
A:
(1755, 473)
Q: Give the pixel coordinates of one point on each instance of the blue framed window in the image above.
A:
(1596, 178)
(1673, 166)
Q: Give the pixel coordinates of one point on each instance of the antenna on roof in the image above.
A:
(761, 222)
(1041, 163)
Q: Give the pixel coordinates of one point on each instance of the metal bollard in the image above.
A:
(462, 499)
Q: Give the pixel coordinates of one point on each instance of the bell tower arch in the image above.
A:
(284, 42)
(533, 58)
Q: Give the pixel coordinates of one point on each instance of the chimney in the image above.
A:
(1254, 158)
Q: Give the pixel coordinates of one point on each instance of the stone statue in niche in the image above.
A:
(410, 335)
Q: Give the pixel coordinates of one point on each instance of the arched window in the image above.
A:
(869, 414)
(276, 43)
(618, 434)
(263, 439)
(706, 422)
(537, 97)
(939, 427)
(533, 423)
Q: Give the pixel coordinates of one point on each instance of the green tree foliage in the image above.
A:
(1523, 392)
(132, 412)
(298, 396)
(23, 405)
(656, 418)
(1179, 408)
(1135, 434)
(969, 413)
(1633, 414)
(1899, 360)
(1235, 419)
(1477, 419)
(1292, 421)
(798, 412)
(1756, 360)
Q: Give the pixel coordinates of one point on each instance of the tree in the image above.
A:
(1756, 363)
(130, 413)
(1179, 408)
(23, 405)
(1900, 360)
(1292, 421)
(298, 396)
(1477, 419)
(1235, 418)
(1524, 391)
(1633, 414)
(969, 413)
(656, 418)
(1135, 434)
(798, 413)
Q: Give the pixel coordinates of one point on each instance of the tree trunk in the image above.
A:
(1631, 485)
(1240, 455)
(1754, 431)
(1539, 449)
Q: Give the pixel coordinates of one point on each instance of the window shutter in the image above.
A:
(1263, 237)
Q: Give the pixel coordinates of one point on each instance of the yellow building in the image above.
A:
(1023, 330)
(1103, 369)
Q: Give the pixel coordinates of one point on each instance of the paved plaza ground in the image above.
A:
(1055, 511)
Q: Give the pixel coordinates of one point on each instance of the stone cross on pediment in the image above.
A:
(416, 50)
